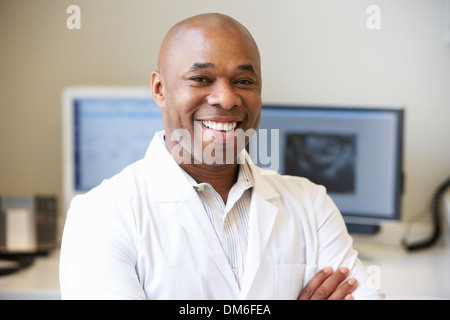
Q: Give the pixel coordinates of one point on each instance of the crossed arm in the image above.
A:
(329, 285)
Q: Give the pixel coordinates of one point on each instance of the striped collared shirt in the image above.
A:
(230, 221)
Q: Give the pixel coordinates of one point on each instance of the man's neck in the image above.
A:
(220, 177)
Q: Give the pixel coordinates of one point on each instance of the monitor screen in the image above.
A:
(356, 153)
(109, 134)
(106, 129)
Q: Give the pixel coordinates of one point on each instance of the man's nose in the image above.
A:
(224, 95)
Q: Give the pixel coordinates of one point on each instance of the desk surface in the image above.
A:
(403, 275)
(409, 275)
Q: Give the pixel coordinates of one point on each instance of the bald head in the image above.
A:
(212, 27)
(209, 72)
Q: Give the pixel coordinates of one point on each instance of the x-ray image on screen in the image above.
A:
(326, 159)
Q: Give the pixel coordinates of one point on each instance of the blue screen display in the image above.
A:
(111, 133)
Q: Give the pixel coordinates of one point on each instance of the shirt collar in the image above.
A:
(245, 177)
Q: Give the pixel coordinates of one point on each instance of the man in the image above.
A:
(195, 219)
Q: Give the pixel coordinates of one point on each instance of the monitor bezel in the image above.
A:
(69, 96)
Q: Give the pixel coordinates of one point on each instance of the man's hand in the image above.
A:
(329, 285)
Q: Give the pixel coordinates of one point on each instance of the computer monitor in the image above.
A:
(355, 152)
(104, 130)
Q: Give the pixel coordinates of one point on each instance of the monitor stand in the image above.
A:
(367, 229)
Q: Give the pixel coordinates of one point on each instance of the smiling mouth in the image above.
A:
(220, 126)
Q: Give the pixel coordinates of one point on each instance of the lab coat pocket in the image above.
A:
(289, 280)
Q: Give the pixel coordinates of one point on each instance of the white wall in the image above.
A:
(316, 51)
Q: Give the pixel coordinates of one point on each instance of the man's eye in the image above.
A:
(200, 79)
(245, 82)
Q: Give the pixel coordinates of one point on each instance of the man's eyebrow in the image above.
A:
(208, 65)
(201, 65)
(246, 67)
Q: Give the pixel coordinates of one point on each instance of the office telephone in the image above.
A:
(27, 228)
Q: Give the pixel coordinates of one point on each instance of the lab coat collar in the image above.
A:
(168, 183)
(172, 183)
(262, 187)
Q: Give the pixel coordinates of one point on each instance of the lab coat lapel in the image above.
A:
(262, 221)
(179, 199)
(195, 222)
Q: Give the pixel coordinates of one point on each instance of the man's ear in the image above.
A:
(157, 89)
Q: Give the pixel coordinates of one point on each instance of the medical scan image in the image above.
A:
(326, 159)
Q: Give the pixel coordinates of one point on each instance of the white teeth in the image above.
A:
(222, 126)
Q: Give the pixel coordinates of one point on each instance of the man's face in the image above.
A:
(211, 83)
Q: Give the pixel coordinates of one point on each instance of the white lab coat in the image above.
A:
(144, 234)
